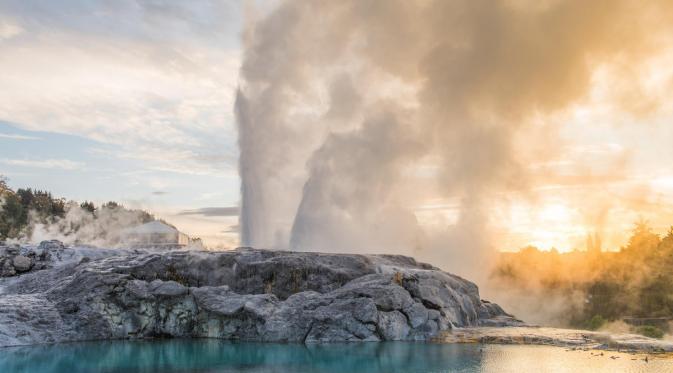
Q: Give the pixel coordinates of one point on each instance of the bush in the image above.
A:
(595, 322)
(650, 331)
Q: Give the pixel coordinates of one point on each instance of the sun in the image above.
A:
(555, 213)
(550, 225)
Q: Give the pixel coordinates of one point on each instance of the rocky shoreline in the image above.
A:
(52, 293)
(568, 338)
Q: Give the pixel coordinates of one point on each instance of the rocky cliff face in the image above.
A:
(70, 294)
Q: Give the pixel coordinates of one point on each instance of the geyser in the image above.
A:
(353, 113)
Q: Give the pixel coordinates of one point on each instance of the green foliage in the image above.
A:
(25, 206)
(88, 206)
(3, 184)
(650, 331)
(638, 281)
(41, 202)
(595, 323)
(13, 213)
(656, 296)
(111, 205)
(603, 298)
(635, 282)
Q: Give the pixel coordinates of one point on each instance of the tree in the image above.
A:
(642, 238)
(4, 188)
(604, 298)
(111, 205)
(666, 244)
(88, 206)
(26, 196)
(13, 216)
(655, 299)
(42, 207)
(641, 249)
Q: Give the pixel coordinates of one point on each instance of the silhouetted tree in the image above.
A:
(41, 207)
(3, 185)
(88, 206)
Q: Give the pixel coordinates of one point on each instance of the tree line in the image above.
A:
(21, 209)
(633, 283)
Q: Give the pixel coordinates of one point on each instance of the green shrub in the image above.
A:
(650, 331)
(595, 322)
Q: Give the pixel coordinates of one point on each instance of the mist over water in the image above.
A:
(352, 114)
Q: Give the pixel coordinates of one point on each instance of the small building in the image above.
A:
(154, 233)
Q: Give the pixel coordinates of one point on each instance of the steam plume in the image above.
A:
(342, 102)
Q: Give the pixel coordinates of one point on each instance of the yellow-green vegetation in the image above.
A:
(650, 331)
(591, 288)
(595, 323)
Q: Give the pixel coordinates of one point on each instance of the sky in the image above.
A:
(128, 101)
(133, 101)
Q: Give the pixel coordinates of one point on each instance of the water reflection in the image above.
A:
(219, 356)
(203, 355)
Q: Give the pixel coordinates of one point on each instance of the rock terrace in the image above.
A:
(53, 293)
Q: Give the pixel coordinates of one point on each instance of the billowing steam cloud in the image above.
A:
(81, 226)
(353, 113)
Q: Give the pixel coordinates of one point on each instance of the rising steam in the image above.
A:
(105, 228)
(352, 114)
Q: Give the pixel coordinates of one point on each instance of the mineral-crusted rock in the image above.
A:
(7, 267)
(48, 254)
(393, 325)
(12, 249)
(22, 263)
(244, 294)
(569, 338)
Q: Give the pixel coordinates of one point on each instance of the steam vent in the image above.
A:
(71, 294)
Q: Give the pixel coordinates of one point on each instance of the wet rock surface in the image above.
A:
(569, 338)
(70, 294)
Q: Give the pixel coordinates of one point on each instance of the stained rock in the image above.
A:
(244, 294)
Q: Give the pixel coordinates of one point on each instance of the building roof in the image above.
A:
(153, 227)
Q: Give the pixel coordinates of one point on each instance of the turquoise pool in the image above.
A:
(204, 355)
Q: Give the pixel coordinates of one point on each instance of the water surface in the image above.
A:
(208, 355)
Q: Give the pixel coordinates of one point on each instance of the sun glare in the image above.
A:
(554, 214)
(552, 225)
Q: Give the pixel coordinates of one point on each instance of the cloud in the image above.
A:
(212, 211)
(13, 136)
(9, 30)
(232, 229)
(63, 164)
(156, 79)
